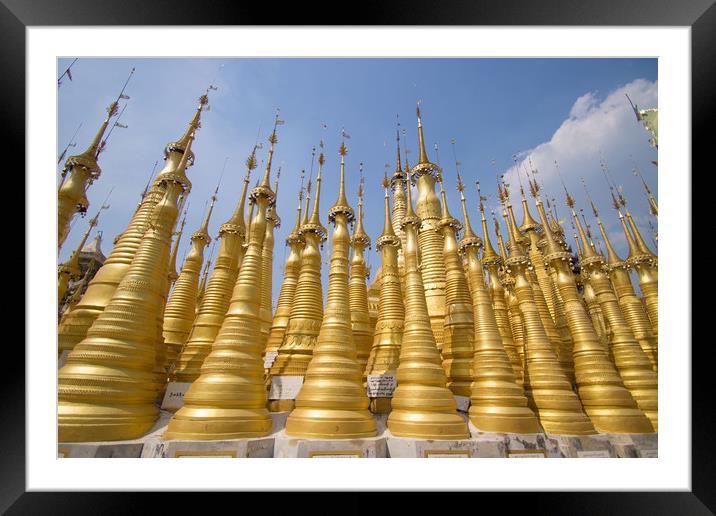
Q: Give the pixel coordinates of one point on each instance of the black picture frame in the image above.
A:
(700, 15)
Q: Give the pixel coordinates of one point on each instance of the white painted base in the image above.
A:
(297, 447)
(259, 447)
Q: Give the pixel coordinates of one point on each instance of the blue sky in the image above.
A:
(571, 110)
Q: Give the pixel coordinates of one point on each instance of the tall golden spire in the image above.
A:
(266, 310)
(459, 327)
(99, 291)
(608, 403)
(358, 297)
(632, 308)
(173, 275)
(332, 402)
(292, 268)
(205, 277)
(384, 355)
(228, 400)
(430, 237)
(180, 310)
(632, 363)
(498, 404)
(117, 358)
(546, 385)
(492, 262)
(70, 270)
(304, 322)
(217, 297)
(422, 406)
(79, 173)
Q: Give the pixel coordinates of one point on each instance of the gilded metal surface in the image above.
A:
(498, 403)
(100, 290)
(332, 402)
(459, 326)
(360, 319)
(430, 238)
(79, 172)
(291, 269)
(216, 299)
(632, 308)
(385, 353)
(273, 221)
(172, 273)
(546, 385)
(646, 265)
(504, 300)
(608, 403)
(632, 363)
(70, 270)
(180, 310)
(304, 323)
(228, 400)
(422, 406)
(106, 389)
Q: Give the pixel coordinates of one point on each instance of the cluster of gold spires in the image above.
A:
(512, 337)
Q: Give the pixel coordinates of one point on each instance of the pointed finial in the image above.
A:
(341, 205)
(314, 222)
(489, 255)
(423, 158)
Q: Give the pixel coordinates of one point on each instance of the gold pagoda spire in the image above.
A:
(80, 172)
(459, 327)
(70, 270)
(205, 276)
(99, 291)
(632, 308)
(306, 315)
(358, 297)
(498, 403)
(546, 384)
(388, 336)
(608, 403)
(632, 363)
(292, 268)
(215, 303)
(228, 400)
(430, 237)
(173, 275)
(492, 262)
(422, 406)
(180, 310)
(273, 221)
(653, 206)
(118, 356)
(332, 402)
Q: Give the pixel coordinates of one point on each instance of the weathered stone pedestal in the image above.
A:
(635, 446)
(411, 448)
(513, 446)
(298, 447)
(584, 446)
(115, 449)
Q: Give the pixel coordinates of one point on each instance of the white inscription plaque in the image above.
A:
(174, 395)
(381, 385)
(285, 387)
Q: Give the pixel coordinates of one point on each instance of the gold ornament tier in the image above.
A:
(332, 402)
(265, 314)
(70, 195)
(564, 352)
(498, 403)
(649, 285)
(212, 309)
(432, 269)
(292, 269)
(502, 318)
(107, 389)
(606, 401)
(100, 290)
(360, 320)
(635, 314)
(546, 385)
(228, 400)
(632, 363)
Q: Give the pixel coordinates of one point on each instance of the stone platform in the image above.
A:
(514, 446)
(411, 448)
(635, 446)
(583, 446)
(298, 447)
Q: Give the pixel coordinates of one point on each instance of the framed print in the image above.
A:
(424, 233)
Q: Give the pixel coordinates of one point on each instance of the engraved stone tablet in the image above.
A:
(285, 387)
(592, 454)
(381, 385)
(174, 395)
(269, 358)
